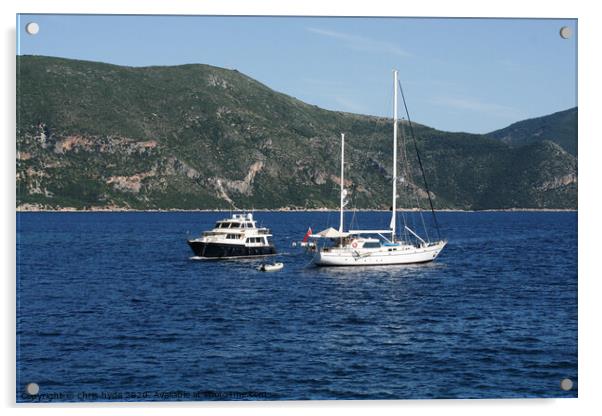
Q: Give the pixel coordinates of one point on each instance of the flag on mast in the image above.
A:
(307, 234)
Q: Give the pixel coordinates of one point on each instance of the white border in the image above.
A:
(589, 187)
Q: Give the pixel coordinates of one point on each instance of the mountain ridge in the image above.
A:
(559, 127)
(94, 135)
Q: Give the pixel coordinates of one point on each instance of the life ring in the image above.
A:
(354, 244)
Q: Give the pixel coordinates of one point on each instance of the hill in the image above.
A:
(95, 135)
(560, 128)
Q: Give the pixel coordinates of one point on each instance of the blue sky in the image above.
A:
(473, 75)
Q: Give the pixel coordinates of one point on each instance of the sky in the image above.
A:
(471, 75)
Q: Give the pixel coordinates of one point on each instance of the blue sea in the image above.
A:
(110, 307)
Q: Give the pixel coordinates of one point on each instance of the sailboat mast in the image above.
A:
(342, 180)
(394, 204)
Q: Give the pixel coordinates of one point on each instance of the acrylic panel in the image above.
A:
(295, 208)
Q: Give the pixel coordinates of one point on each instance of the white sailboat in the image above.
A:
(373, 247)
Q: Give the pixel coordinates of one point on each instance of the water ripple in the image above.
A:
(110, 302)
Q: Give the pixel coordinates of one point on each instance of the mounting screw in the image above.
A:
(32, 389)
(32, 28)
(566, 384)
(565, 32)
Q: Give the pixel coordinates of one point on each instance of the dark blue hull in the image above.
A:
(215, 250)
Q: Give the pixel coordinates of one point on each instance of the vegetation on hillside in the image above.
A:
(560, 128)
(200, 137)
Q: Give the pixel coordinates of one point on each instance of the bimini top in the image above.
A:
(330, 233)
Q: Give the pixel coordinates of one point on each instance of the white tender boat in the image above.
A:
(377, 247)
(270, 267)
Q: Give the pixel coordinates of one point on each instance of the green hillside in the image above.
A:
(201, 137)
(560, 128)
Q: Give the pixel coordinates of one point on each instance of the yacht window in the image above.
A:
(234, 225)
(249, 225)
(371, 245)
(223, 225)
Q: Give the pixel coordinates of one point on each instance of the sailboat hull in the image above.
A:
(347, 256)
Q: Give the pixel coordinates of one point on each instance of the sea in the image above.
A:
(111, 307)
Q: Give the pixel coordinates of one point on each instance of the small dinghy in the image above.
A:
(270, 267)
